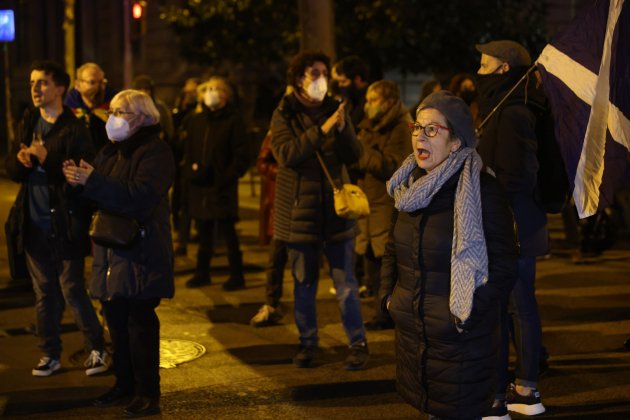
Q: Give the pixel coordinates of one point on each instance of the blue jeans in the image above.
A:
(57, 282)
(304, 260)
(524, 320)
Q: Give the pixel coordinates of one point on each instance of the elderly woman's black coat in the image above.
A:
(439, 370)
(132, 178)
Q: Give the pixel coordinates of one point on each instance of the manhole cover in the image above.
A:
(174, 352)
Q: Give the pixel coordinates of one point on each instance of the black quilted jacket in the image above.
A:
(439, 370)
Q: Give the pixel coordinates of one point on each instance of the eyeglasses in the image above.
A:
(316, 74)
(430, 130)
(118, 113)
(91, 82)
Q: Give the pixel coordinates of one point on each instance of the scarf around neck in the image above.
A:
(469, 255)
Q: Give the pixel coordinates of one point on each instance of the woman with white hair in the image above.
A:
(130, 178)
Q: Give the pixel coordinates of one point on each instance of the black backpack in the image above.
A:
(552, 180)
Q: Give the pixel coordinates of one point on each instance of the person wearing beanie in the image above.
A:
(508, 145)
(449, 262)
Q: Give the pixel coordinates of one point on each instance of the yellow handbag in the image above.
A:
(350, 200)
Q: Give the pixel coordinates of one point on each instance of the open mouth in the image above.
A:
(423, 153)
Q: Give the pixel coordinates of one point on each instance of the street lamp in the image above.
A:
(7, 34)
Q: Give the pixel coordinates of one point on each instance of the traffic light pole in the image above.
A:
(7, 96)
(127, 55)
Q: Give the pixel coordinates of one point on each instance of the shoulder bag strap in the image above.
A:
(321, 162)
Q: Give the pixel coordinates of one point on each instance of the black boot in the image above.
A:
(236, 280)
(114, 396)
(202, 272)
(143, 406)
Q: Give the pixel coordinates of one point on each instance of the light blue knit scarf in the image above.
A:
(469, 256)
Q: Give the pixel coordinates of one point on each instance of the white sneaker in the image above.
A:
(46, 366)
(96, 363)
(267, 315)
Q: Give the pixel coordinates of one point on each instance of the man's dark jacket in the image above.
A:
(508, 145)
(70, 214)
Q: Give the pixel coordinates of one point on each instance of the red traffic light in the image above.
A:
(136, 10)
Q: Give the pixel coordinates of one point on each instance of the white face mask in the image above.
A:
(211, 98)
(317, 89)
(117, 128)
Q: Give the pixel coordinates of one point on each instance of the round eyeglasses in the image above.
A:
(430, 130)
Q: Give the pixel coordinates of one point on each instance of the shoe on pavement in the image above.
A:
(197, 281)
(234, 283)
(96, 363)
(46, 366)
(267, 315)
(358, 357)
(379, 325)
(304, 357)
(365, 292)
(114, 396)
(530, 405)
(498, 411)
(142, 406)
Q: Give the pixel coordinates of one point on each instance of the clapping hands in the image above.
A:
(77, 175)
(337, 119)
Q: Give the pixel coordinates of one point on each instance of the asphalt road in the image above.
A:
(246, 373)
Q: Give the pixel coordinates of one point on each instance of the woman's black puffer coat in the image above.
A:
(304, 203)
(439, 370)
(132, 178)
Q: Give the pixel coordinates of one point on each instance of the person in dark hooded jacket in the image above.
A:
(449, 262)
(131, 177)
(508, 145)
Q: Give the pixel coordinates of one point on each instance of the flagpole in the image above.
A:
(479, 129)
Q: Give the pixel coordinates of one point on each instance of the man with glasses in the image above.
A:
(508, 146)
(53, 220)
(89, 100)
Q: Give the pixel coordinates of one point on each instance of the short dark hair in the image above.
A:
(456, 82)
(56, 70)
(300, 62)
(144, 82)
(352, 66)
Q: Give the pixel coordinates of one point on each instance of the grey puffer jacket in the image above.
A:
(304, 203)
(132, 178)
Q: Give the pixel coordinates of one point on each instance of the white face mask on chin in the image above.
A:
(117, 128)
(317, 89)
(211, 98)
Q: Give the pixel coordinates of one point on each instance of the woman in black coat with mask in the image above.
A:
(131, 177)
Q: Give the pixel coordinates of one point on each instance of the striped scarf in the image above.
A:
(469, 256)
